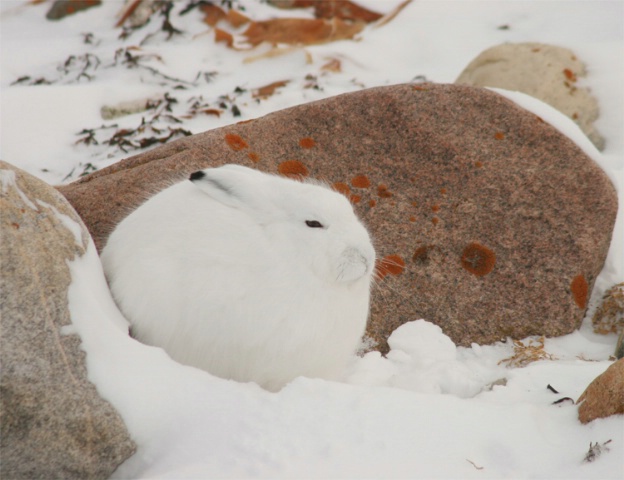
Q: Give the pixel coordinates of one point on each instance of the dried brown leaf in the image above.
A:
(333, 65)
(236, 19)
(212, 111)
(223, 36)
(212, 14)
(527, 353)
(343, 9)
(300, 31)
(268, 90)
(390, 16)
(128, 10)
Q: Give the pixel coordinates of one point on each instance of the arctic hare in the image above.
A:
(250, 276)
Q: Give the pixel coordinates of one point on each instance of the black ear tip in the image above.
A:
(197, 176)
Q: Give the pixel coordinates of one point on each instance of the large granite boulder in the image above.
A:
(547, 72)
(487, 220)
(53, 422)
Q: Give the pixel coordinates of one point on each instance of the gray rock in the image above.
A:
(609, 316)
(53, 422)
(62, 8)
(619, 347)
(487, 220)
(547, 72)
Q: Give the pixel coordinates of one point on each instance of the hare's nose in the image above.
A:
(353, 265)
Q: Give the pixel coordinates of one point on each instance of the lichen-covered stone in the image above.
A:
(53, 422)
(609, 316)
(547, 72)
(487, 220)
(604, 396)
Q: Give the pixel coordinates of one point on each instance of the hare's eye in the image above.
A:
(314, 224)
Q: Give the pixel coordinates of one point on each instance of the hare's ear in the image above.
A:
(232, 185)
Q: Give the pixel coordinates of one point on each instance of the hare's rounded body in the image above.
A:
(249, 276)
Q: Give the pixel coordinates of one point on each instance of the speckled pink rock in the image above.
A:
(604, 396)
(488, 221)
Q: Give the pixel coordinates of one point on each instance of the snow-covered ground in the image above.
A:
(428, 410)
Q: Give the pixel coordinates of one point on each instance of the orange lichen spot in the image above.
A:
(235, 142)
(414, 204)
(435, 208)
(443, 191)
(569, 74)
(478, 164)
(389, 265)
(499, 135)
(245, 121)
(421, 255)
(360, 181)
(420, 88)
(253, 156)
(355, 199)
(580, 289)
(383, 192)
(412, 218)
(307, 142)
(342, 187)
(478, 259)
(435, 220)
(293, 169)
(372, 203)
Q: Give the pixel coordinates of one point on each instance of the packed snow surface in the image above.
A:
(429, 409)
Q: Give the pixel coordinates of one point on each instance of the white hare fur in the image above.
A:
(250, 276)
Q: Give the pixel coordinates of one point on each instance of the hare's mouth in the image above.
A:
(353, 265)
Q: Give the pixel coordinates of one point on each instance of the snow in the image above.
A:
(428, 409)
